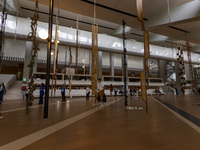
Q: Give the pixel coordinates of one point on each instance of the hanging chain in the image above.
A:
(35, 49)
(125, 64)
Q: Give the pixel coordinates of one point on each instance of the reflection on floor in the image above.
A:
(76, 125)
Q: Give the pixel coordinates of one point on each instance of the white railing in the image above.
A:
(171, 90)
(82, 80)
(11, 81)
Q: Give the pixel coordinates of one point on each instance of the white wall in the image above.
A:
(18, 48)
(14, 49)
(106, 58)
(117, 60)
(135, 62)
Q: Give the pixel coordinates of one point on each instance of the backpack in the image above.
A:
(104, 98)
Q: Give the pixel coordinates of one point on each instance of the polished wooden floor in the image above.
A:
(108, 127)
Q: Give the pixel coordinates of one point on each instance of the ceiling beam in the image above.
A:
(12, 5)
(178, 14)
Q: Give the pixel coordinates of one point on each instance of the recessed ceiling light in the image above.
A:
(43, 34)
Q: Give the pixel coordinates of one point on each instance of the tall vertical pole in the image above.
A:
(46, 103)
(125, 64)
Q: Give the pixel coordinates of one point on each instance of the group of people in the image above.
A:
(42, 93)
(134, 91)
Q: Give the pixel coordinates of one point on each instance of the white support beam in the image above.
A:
(179, 14)
(12, 5)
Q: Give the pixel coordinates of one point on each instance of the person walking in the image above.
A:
(111, 89)
(100, 89)
(87, 93)
(2, 92)
(63, 93)
(41, 93)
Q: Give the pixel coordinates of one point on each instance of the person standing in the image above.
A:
(2, 92)
(100, 89)
(87, 93)
(176, 91)
(199, 91)
(41, 93)
(18, 75)
(63, 93)
(115, 90)
(111, 89)
(131, 91)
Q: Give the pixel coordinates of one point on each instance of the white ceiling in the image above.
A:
(184, 15)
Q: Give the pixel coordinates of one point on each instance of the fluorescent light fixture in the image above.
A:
(43, 34)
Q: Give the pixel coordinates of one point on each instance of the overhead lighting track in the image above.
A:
(112, 9)
(136, 34)
(70, 19)
(178, 29)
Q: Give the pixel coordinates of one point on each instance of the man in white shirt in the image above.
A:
(100, 89)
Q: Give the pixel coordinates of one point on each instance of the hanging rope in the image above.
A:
(77, 45)
(15, 37)
(181, 65)
(170, 33)
(2, 31)
(125, 64)
(35, 49)
(144, 73)
(94, 11)
(69, 70)
(54, 76)
(189, 60)
(94, 57)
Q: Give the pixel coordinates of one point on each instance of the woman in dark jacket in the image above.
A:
(2, 92)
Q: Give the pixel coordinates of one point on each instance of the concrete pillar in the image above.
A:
(100, 64)
(112, 67)
(26, 72)
(90, 62)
